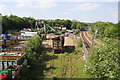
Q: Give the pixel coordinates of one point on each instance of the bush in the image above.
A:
(33, 44)
(104, 61)
(78, 48)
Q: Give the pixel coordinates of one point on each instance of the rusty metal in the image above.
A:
(58, 43)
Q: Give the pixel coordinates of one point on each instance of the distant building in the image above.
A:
(74, 20)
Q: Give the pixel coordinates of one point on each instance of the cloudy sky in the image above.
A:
(82, 10)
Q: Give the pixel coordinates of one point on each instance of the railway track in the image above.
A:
(87, 40)
(88, 36)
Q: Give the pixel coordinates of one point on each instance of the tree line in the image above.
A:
(13, 22)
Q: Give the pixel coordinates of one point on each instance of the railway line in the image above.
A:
(87, 40)
(88, 36)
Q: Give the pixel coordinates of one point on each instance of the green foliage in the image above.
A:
(78, 25)
(74, 24)
(32, 50)
(66, 66)
(78, 48)
(33, 44)
(59, 23)
(106, 29)
(66, 23)
(111, 32)
(79, 43)
(104, 61)
(13, 22)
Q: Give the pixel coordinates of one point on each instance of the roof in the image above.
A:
(10, 54)
(9, 58)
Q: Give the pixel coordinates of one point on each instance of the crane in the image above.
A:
(51, 29)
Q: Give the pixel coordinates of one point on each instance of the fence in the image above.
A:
(83, 44)
(85, 51)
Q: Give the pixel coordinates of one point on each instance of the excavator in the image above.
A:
(44, 29)
(56, 32)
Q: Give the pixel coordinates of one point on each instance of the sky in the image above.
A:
(81, 10)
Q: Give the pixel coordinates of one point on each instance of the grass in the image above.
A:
(66, 66)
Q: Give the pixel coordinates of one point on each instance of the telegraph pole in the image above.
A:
(96, 32)
(93, 40)
(94, 36)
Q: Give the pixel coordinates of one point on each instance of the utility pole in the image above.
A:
(93, 40)
(96, 32)
(94, 36)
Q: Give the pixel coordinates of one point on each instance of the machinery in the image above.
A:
(58, 40)
(57, 33)
(46, 26)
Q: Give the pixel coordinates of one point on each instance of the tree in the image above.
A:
(78, 26)
(74, 24)
(67, 24)
(14, 22)
(103, 28)
(32, 50)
